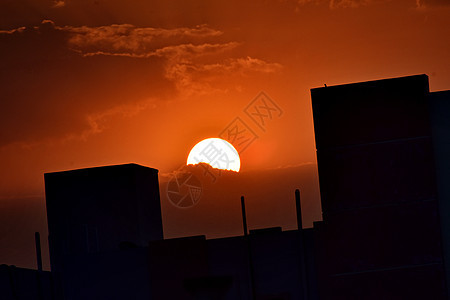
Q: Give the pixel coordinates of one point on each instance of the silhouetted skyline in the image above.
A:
(384, 233)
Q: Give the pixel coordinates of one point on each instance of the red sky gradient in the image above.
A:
(88, 83)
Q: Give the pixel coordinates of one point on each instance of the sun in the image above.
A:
(217, 153)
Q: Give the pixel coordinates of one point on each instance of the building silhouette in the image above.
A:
(440, 112)
(380, 237)
(382, 152)
(21, 283)
(99, 221)
(103, 245)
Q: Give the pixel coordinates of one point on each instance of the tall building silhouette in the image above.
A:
(380, 237)
(440, 112)
(93, 214)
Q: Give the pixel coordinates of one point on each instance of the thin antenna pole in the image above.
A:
(299, 210)
(249, 250)
(244, 216)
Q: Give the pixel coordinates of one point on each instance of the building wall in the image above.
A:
(381, 229)
(25, 284)
(440, 112)
(196, 268)
(93, 213)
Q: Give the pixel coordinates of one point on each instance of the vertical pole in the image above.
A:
(299, 210)
(244, 216)
(37, 239)
(303, 259)
(249, 250)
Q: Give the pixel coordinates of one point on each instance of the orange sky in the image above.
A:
(87, 83)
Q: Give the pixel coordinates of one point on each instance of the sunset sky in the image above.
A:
(97, 82)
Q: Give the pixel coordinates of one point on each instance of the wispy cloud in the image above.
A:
(194, 78)
(59, 3)
(97, 121)
(66, 98)
(129, 39)
(184, 64)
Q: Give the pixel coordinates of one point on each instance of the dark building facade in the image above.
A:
(440, 122)
(25, 284)
(381, 236)
(99, 220)
(265, 265)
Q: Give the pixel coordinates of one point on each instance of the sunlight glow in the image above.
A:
(216, 152)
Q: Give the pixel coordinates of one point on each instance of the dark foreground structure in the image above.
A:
(383, 152)
(381, 235)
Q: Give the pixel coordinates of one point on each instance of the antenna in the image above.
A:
(244, 217)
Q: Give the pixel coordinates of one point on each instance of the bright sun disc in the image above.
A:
(217, 153)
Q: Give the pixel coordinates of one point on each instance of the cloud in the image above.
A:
(50, 92)
(177, 47)
(98, 120)
(235, 66)
(61, 82)
(129, 39)
(58, 4)
(194, 78)
(184, 62)
(253, 64)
